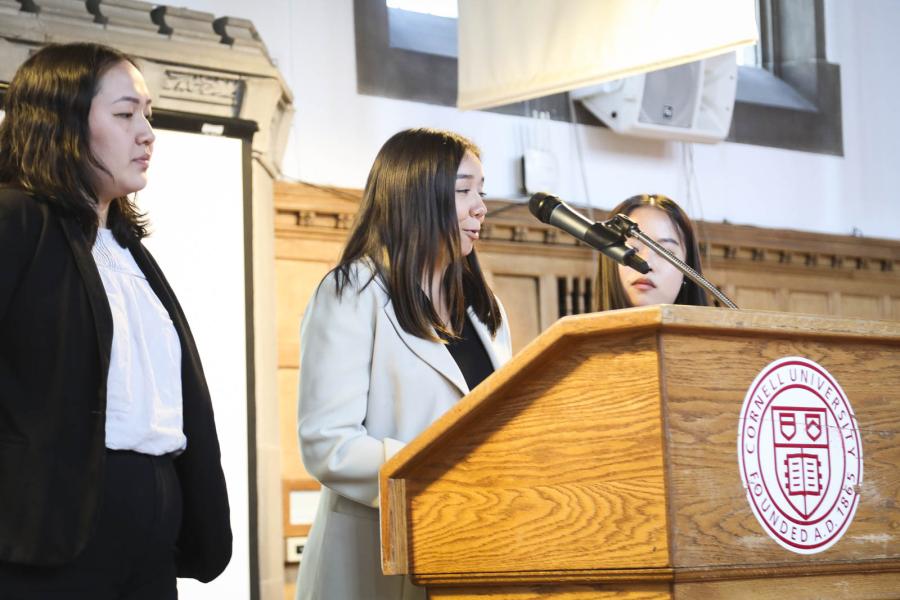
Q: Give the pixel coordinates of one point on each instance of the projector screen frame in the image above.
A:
(244, 130)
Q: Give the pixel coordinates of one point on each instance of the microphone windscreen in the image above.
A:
(541, 205)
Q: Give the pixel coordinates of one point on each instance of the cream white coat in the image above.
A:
(367, 388)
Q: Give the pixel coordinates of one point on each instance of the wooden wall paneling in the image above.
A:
(812, 303)
(805, 289)
(291, 465)
(861, 306)
(756, 298)
(509, 265)
(295, 282)
(549, 305)
(523, 309)
(310, 230)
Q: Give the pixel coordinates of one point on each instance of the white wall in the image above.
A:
(337, 132)
(867, 40)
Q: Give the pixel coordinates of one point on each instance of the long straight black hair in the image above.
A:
(611, 295)
(45, 135)
(407, 229)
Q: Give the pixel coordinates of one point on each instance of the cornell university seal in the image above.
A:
(800, 455)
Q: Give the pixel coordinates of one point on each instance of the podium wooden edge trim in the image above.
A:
(667, 574)
(684, 575)
(758, 322)
(394, 553)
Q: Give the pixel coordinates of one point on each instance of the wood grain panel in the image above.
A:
(756, 298)
(291, 465)
(875, 586)
(507, 259)
(295, 282)
(859, 306)
(521, 299)
(564, 592)
(706, 381)
(812, 303)
(583, 489)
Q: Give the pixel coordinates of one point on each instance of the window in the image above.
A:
(793, 99)
(389, 68)
(426, 26)
(788, 95)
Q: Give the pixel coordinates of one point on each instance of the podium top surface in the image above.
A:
(672, 316)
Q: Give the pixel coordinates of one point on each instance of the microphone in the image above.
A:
(553, 211)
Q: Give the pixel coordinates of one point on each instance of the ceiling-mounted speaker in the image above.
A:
(690, 102)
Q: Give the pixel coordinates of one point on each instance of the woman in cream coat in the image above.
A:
(394, 336)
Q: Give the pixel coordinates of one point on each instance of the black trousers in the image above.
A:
(132, 553)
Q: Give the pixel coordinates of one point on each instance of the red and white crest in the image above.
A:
(800, 455)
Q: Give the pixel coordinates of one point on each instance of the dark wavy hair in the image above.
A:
(44, 138)
(611, 295)
(407, 226)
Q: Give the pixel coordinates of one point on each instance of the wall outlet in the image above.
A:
(293, 549)
(540, 171)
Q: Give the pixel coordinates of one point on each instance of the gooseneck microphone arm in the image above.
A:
(553, 211)
(628, 228)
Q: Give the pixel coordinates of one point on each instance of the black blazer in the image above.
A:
(55, 339)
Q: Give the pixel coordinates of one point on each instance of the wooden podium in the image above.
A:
(602, 462)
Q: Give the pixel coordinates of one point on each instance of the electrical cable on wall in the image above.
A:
(576, 138)
(693, 201)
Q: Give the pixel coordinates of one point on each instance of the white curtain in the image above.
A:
(514, 50)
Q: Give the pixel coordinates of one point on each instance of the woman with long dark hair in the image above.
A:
(394, 336)
(664, 221)
(111, 482)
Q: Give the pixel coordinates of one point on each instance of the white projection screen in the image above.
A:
(196, 203)
(196, 206)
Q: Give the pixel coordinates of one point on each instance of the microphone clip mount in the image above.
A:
(624, 226)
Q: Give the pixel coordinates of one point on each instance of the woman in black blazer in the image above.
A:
(111, 482)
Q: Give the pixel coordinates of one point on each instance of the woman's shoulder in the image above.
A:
(21, 211)
(16, 200)
(348, 294)
(357, 278)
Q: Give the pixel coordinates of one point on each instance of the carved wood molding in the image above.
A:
(194, 63)
(321, 212)
(183, 84)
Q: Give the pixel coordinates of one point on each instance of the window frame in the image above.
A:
(792, 102)
(792, 43)
(408, 75)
